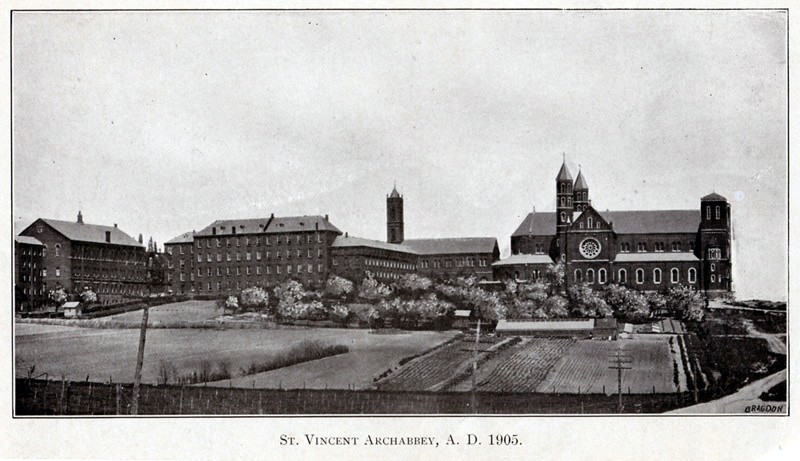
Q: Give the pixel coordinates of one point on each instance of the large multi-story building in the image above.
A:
(28, 284)
(78, 256)
(230, 255)
(649, 250)
(439, 259)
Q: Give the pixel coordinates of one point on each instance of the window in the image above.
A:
(692, 275)
(659, 247)
(656, 275)
(288, 269)
(247, 256)
(708, 212)
(258, 270)
(57, 249)
(625, 247)
(258, 256)
(601, 276)
(639, 275)
(641, 246)
(208, 257)
(208, 245)
(247, 270)
(713, 278)
(717, 212)
(219, 271)
(563, 188)
(236, 240)
(227, 271)
(563, 202)
(319, 268)
(563, 217)
(674, 275)
(219, 257)
(714, 253)
(713, 267)
(277, 269)
(623, 276)
(181, 249)
(590, 222)
(209, 286)
(44, 272)
(676, 246)
(208, 272)
(199, 244)
(219, 243)
(589, 275)
(578, 275)
(199, 272)
(238, 256)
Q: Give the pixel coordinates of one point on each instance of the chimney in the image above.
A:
(80, 217)
(213, 231)
(345, 235)
(108, 236)
(115, 224)
(326, 217)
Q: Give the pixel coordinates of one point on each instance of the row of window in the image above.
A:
(622, 276)
(708, 212)
(247, 241)
(658, 247)
(249, 256)
(460, 262)
(210, 286)
(300, 268)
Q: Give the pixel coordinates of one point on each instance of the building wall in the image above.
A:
(28, 274)
(114, 272)
(227, 264)
(56, 262)
(448, 266)
(180, 267)
(387, 266)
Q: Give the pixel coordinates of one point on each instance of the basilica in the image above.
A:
(650, 250)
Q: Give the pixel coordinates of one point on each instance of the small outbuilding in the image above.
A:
(72, 309)
(559, 328)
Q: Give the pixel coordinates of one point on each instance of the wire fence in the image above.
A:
(59, 397)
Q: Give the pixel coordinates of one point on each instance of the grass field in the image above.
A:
(586, 365)
(103, 354)
(188, 311)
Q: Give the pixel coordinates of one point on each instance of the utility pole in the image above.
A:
(475, 356)
(137, 377)
(620, 361)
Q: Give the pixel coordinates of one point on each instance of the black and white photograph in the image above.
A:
(352, 213)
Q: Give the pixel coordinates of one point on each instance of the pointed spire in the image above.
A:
(394, 193)
(140, 239)
(580, 182)
(563, 173)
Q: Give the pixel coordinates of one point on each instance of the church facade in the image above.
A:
(650, 250)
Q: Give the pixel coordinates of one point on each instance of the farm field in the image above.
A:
(110, 354)
(586, 365)
(527, 367)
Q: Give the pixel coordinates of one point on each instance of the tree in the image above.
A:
(232, 303)
(554, 278)
(626, 303)
(412, 285)
(88, 297)
(254, 298)
(685, 303)
(338, 286)
(57, 297)
(341, 314)
(288, 295)
(372, 289)
(585, 302)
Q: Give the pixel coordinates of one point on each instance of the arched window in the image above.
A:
(675, 275)
(590, 221)
(692, 275)
(708, 212)
(563, 188)
(590, 275)
(713, 267)
(581, 225)
(601, 276)
(713, 278)
(656, 275)
(717, 212)
(569, 201)
(597, 226)
(639, 275)
(563, 201)
(623, 276)
(578, 275)
(57, 249)
(563, 217)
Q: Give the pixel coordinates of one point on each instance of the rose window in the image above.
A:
(590, 248)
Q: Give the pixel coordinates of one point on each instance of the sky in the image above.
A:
(163, 122)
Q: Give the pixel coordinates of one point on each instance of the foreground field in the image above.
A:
(110, 354)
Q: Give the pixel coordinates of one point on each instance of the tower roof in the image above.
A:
(394, 193)
(714, 197)
(563, 174)
(580, 183)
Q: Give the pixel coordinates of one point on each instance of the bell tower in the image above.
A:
(581, 194)
(714, 249)
(563, 198)
(394, 217)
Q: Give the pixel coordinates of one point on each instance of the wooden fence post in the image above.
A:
(63, 392)
(119, 401)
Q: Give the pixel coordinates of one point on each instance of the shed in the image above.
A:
(559, 328)
(461, 320)
(72, 309)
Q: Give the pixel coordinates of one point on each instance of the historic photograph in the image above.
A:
(399, 212)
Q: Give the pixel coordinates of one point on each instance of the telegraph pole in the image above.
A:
(620, 362)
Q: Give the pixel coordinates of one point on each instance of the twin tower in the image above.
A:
(570, 197)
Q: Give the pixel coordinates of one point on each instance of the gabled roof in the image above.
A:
(563, 173)
(27, 240)
(268, 225)
(345, 242)
(186, 237)
(654, 257)
(452, 245)
(714, 197)
(92, 233)
(624, 222)
(580, 183)
(524, 259)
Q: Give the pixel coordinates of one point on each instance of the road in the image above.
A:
(775, 341)
(743, 401)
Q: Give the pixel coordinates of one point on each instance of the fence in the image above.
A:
(43, 397)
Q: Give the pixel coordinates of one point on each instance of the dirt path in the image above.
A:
(746, 400)
(775, 342)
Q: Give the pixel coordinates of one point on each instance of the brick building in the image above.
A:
(77, 256)
(28, 283)
(230, 255)
(649, 250)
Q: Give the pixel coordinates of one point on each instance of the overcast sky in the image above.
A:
(164, 122)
